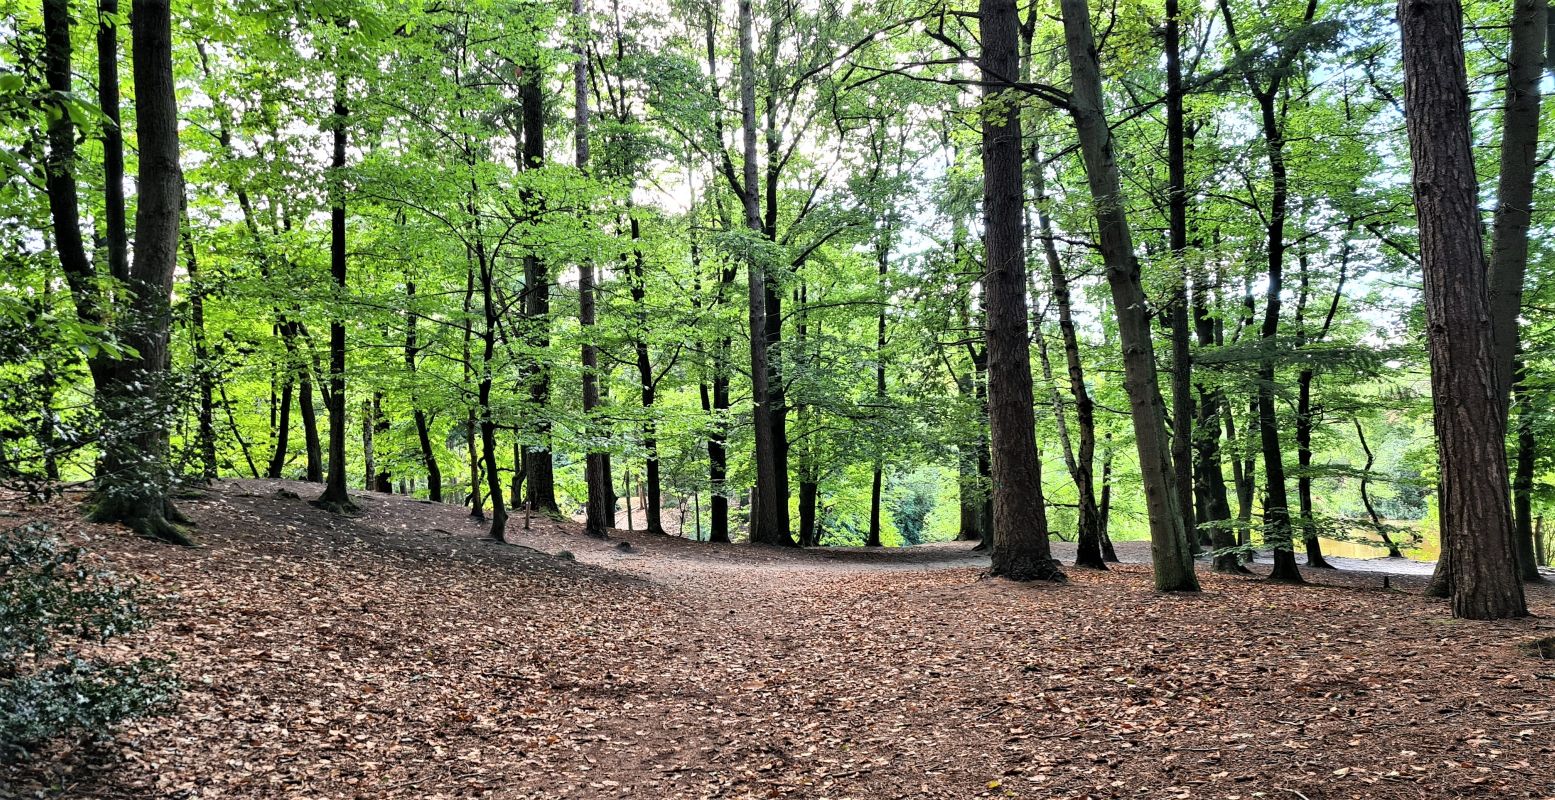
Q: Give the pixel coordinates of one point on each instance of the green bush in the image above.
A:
(55, 606)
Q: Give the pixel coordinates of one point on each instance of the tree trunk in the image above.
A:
(133, 484)
(1177, 223)
(1020, 549)
(1174, 570)
(336, 498)
(312, 446)
(652, 509)
(1371, 511)
(1082, 468)
(770, 525)
(1514, 189)
(600, 515)
(1522, 482)
(1476, 519)
(282, 429)
(539, 465)
(423, 432)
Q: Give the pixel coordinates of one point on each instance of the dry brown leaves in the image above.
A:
(395, 655)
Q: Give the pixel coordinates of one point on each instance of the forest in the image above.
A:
(802, 308)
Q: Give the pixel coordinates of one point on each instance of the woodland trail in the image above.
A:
(397, 655)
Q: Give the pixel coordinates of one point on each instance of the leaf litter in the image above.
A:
(397, 654)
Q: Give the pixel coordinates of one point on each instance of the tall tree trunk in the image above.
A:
(335, 497)
(652, 510)
(600, 516)
(1514, 189)
(1173, 561)
(1020, 549)
(1209, 477)
(369, 454)
(113, 139)
(1306, 418)
(539, 465)
(205, 434)
(133, 485)
(1082, 466)
(382, 479)
(770, 523)
(882, 265)
(1177, 223)
(1105, 508)
(1476, 519)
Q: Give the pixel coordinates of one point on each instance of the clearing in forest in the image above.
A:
(397, 655)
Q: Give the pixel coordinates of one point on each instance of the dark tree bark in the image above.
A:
(882, 264)
(1173, 561)
(1177, 224)
(134, 478)
(1209, 476)
(769, 524)
(1082, 462)
(423, 429)
(600, 516)
(1476, 520)
(205, 414)
(1020, 549)
(60, 185)
(117, 238)
(335, 497)
(1514, 189)
(539, 466)
(283, 428)
(1522, 481)
(653, 484)
(312, 445)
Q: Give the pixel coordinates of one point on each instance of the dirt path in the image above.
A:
(396, 655)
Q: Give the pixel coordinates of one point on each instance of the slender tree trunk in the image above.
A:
(369, 455)
(1177, 223)
(283, 429)
(335, 497)
(1476, 519)
(653, 514)
(1209, 476)
(1020, 549)
(1306, 420)
(1371, 511)
(539, 466)
(1522, 481)
(382, 479)
(113, 139)
(1082, 467)
(1105, 508)
(205, 436)
(423, 429)
(600, 516)
(1173, 560)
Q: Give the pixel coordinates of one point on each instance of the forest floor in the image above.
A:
(397, 655)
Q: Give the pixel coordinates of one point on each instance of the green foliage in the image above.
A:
(57, 609)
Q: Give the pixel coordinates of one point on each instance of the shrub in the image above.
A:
(56, 608)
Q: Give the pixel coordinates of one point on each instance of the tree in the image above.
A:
(1168, 538)
(1020, 549)
(1480, 565)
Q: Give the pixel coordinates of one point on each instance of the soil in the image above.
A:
(398, 654)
